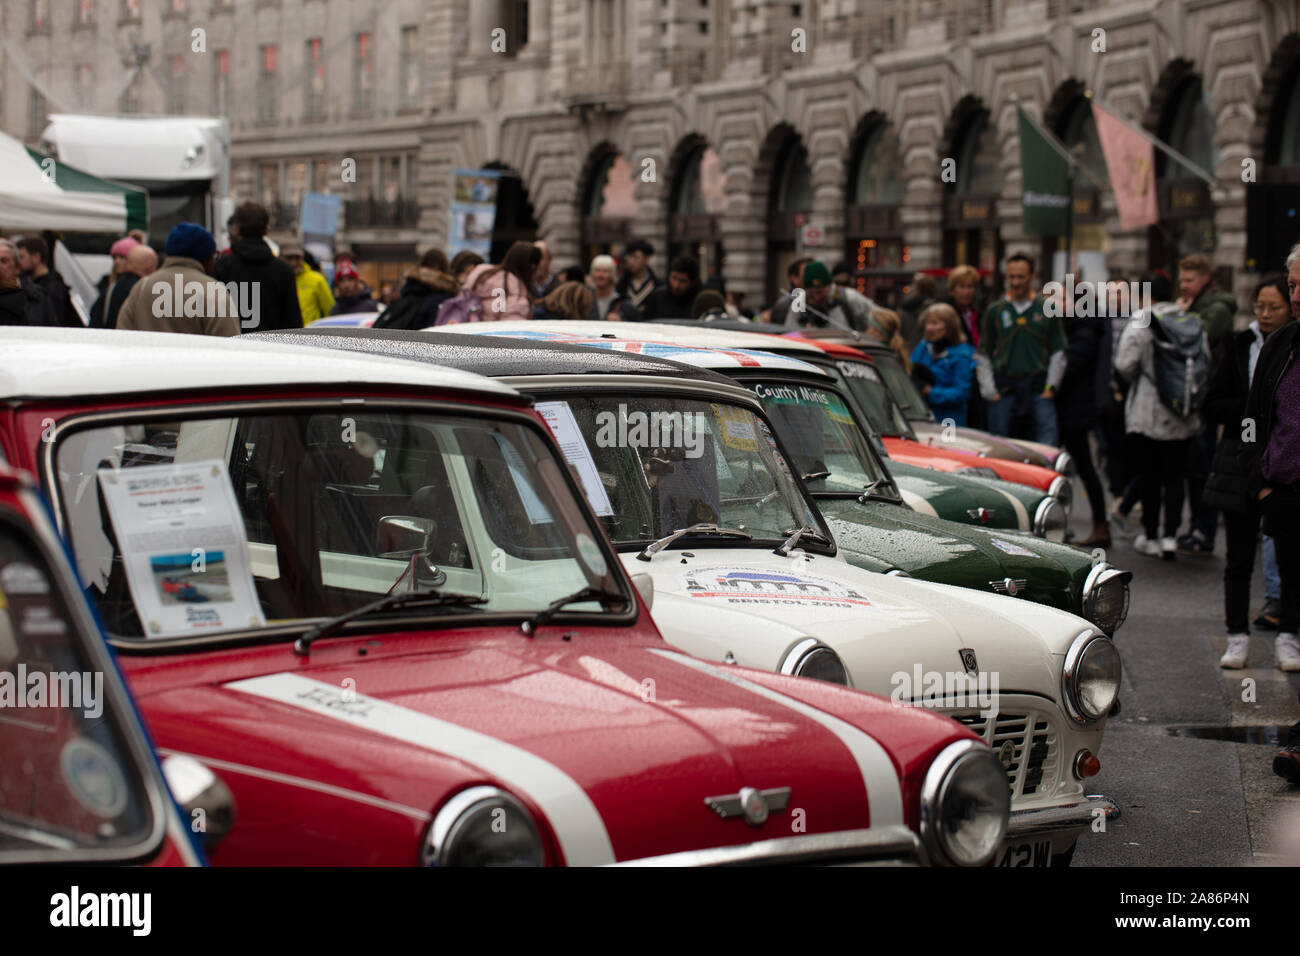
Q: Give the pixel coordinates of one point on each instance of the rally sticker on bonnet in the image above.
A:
(737, 585)
(1008, 548)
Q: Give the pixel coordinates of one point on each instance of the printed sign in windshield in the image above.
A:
(815, 424)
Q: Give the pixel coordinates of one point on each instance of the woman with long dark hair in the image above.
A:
(506, 289)
(1225, 404)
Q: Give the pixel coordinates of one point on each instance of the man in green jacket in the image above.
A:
(1197, 293)
(314, 297)
(1021, 359)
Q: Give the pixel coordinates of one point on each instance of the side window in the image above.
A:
(66, 778)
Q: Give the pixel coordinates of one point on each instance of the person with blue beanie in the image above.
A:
(182, 296)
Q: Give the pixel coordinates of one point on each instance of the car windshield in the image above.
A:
(68, 780)
(205, 524)
(656, 464)
(902, 388)
(817, 428)
(865, 383)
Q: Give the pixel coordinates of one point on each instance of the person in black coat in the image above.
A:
(427, 287)
(21, 303)
(1226, 488)
(34, 261)
(1078, 402)
(274, 305)
(674, 301)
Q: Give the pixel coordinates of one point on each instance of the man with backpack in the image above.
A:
(1164, 356)
(427, 286)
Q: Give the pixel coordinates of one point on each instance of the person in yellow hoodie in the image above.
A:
(314, 296)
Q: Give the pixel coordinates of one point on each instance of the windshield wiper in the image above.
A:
(654, 547)
(815, 476)
(807, 531)
(387, 602)
(873, 491)
(603, 595)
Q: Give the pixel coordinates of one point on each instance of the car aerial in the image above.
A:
(428, 651)
(79, 782)
(921, 419)
(693, 485)
(983, 501)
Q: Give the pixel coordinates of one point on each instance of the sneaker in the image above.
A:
(1122, 526)
(1287, 763)
(1238, 649)
(1269, 615)
(1194, 543)
(1168, 548)
(1144, 545)
(1287, 649)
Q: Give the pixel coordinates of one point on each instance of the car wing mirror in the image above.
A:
(401, 536)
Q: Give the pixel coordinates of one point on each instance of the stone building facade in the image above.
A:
(738, 120)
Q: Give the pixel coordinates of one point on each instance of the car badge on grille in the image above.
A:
(1011, 586)
(1007, 753)
(753, 804)
(968, 661)
(984, 515)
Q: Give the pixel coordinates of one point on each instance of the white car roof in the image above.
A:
(57, 363)
(730, 349)
(698, 336)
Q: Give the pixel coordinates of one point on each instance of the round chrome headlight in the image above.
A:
(1064, 463)
(1090, 677)
(811, 658)
(1106, 597)
(1050, 520)
(1062, 489)
(965, 805)
(483, 826)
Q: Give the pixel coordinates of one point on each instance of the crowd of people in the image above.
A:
(1183, 410)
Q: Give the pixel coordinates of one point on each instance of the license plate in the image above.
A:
(1035, 853)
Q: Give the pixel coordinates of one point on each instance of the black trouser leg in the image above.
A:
(1242, 531)
(1146, 460)
(1173, 474)
(1200, 459)
(1282, 511)
(1080, 448)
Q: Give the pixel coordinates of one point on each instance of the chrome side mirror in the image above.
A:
(207, 802)
(401, 536)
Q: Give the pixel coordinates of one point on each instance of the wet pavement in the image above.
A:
(1189, 758)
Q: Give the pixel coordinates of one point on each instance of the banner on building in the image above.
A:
(1044, 181)
(1130, 160)
(473, 210)
(319, 225)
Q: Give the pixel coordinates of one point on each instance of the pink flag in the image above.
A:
(1130, 160)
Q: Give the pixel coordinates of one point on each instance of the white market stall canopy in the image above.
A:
(39, 193)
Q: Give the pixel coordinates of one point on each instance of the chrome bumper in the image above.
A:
(878, 846)
(1048, 820)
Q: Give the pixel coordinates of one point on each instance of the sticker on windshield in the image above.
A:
(589, 552)
(1008, 548)
(93, 777)
(564, 426)
(181, 536)
(751, 586)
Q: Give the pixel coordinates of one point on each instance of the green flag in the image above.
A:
(1044, 183)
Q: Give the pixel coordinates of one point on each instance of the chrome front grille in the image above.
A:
(1024, 742)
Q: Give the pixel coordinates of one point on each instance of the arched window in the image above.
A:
(1191, 129)
(877, 178)
(978, 160)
